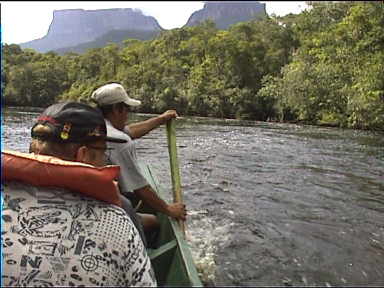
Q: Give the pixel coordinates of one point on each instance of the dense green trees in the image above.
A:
(31, 78)
(324, 65)
(337, 74)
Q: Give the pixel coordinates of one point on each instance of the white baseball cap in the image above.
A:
(113, 93)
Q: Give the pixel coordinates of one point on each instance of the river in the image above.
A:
(270, 204)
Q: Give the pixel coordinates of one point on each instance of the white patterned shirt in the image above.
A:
(53, 237)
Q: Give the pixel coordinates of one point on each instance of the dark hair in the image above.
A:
(107, 109)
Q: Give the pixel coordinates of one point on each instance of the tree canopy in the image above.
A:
(324, 65)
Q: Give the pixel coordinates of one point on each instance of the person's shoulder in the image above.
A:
(113, 132)
(61, 195)
(55, 198)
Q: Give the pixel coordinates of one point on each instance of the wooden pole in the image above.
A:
(174, 163)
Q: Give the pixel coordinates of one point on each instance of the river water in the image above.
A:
(270, 204)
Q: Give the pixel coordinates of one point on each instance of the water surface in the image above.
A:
(270, 204)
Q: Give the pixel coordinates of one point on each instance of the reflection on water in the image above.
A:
(284, 204)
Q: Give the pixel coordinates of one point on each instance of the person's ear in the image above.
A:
(81, 154)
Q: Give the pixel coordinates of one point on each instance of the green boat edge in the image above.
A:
(172, 261)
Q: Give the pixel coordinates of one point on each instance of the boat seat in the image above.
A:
(154, 253)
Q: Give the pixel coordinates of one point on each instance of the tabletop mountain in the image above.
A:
(226, 13)
(76, 30)
(72, 27)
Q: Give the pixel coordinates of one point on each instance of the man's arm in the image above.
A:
(175, 210)
(137, 130)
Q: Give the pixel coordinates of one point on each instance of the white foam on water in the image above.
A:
(204, 237)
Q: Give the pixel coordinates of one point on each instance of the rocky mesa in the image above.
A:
(75, 26)
(76, 30)
(226, 13)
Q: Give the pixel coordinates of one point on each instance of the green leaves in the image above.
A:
(336, 76)
(324, 65)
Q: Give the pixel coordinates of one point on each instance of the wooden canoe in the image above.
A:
(172, 259)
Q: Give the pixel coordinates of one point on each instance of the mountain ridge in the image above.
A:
(76, 30)
(71, 27)
(230, 13)
(113, 36)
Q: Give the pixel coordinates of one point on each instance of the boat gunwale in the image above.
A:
(182, 246)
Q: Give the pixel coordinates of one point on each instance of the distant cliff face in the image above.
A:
(78, 29)
(74, 26)
(226, 13)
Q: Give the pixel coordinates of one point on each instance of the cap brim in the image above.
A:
(115, 140)
(132, 102)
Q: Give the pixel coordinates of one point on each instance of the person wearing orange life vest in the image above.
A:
(70, 232)
(114, 102)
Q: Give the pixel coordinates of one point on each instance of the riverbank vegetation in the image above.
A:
(323, 66)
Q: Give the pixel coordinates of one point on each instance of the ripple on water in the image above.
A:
(287, 204)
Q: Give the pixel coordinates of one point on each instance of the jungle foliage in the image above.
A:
(325, 65)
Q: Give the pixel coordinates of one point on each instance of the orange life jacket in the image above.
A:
(43, 170)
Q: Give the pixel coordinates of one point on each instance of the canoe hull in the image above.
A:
(172, 259)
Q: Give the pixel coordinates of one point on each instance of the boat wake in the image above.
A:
(204, 245)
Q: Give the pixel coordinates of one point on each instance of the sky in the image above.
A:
(23, 21)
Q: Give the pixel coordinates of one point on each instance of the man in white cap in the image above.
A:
(114, 102)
